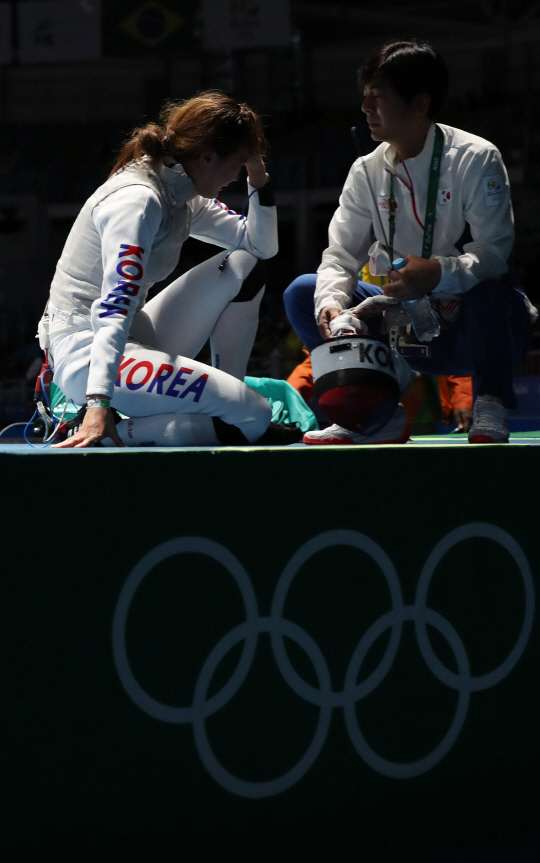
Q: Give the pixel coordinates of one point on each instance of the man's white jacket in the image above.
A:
(473, 190)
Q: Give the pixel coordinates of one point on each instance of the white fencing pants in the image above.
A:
(162, 378)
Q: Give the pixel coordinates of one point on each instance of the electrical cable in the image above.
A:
(10, 426)
(47, 438)
(30, 421)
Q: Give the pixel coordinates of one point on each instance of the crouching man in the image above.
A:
(439, 198)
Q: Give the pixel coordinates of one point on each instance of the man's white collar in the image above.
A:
(423, 158)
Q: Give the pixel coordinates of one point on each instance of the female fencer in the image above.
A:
(110, 349)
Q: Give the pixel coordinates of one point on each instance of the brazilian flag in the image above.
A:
(134, 28)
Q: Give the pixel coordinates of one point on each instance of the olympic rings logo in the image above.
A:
(322, 696)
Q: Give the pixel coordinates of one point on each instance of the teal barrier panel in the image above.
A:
(331, 652)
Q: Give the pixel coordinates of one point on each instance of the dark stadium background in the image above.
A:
(62, 122)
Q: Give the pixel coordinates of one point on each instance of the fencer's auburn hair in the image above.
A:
(409, 67)
(209, 121)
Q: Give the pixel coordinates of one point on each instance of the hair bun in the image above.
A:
(151, 139)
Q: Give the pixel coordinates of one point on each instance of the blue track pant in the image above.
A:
(487, 341)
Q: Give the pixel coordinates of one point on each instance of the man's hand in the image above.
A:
(463, 418)
(328, 314)
(98, 423)
(256, 170)
(419, 277)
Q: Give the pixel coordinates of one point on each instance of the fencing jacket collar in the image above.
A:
(173, 176)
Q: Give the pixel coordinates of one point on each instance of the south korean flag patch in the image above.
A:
(445, 196)
(493, 187)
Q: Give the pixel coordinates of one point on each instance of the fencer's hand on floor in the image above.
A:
(327, 314)
(98, 423)
(417, 278)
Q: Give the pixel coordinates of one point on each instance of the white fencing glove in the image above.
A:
(346, 324)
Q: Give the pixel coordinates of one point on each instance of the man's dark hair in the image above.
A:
(409, 67)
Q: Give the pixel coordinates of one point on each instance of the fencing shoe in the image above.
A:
(277, 434)
(489, 421)
(280, 434)
(70, 427)
(396, 430)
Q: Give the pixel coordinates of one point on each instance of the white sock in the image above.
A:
(233, 336)
(167, 430)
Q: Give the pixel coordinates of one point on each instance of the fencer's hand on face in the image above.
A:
(463, 418)
(256, 170)
(417, 278)
(98, 423)
(328, 314)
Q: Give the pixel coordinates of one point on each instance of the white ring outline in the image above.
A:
(330, 539)
(406, 770)
(268, 788)
(475, 530)
(161, 552)
(323, 697)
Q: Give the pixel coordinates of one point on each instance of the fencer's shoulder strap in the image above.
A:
(140, 174)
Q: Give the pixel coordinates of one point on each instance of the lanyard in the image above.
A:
(431, 203)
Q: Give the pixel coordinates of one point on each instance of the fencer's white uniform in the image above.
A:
(473, 190)
(106, 340)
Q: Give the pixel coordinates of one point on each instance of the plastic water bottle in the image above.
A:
(420, 313)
